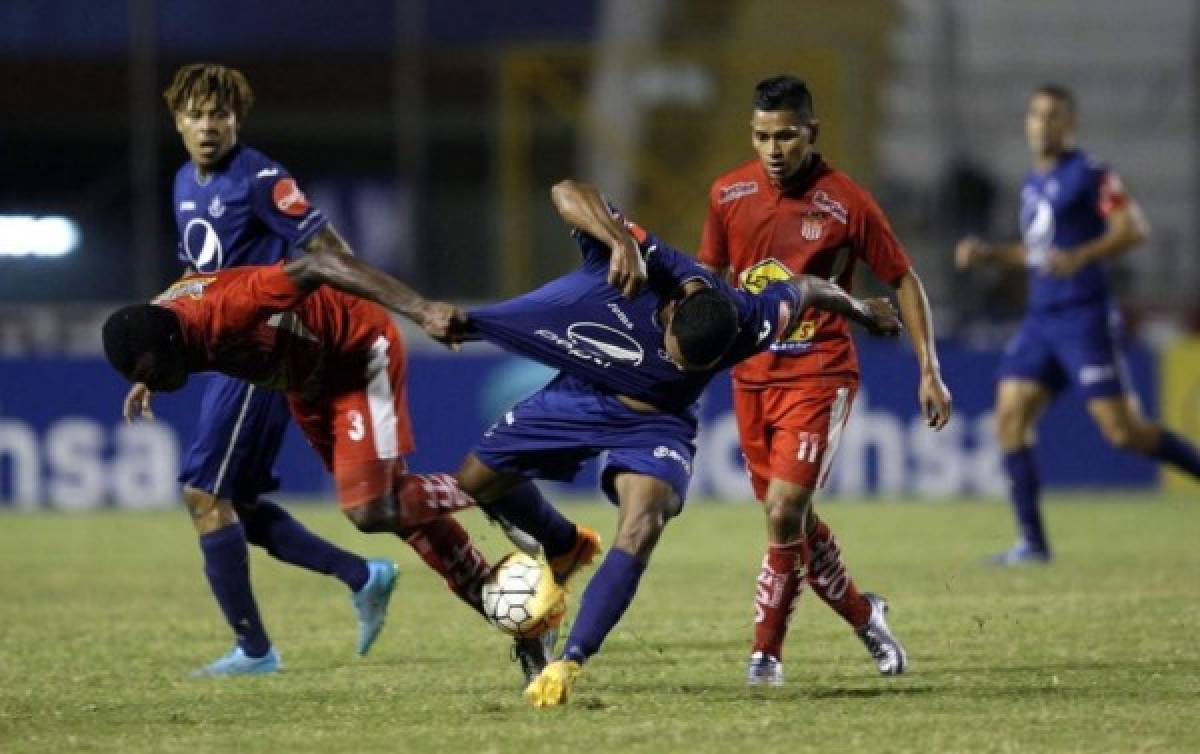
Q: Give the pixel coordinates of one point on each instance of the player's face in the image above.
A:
(783, 142)
(1049, 125)
(209, 130)
(161, 372)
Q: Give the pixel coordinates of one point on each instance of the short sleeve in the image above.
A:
(714, 243)
(1112, 195)
(876, 243)
(764, 318)
(278, 201)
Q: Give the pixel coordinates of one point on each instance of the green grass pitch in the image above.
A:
(103, 615)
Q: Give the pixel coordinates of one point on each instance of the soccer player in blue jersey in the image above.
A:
(1075, 215)
(235, 207)
(637, 332)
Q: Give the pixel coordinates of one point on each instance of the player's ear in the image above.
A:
(814, 127)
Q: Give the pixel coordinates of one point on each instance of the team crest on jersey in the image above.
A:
(755, 280)
(824, 201)
(191, 287)
(736, 191)
(812, 227)
(216, 208)
(289, 199)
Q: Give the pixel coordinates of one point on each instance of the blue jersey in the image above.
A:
(1061, 210)
(584, 327)
(249, 212)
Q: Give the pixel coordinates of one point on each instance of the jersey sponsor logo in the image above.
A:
(662, 451)
(289, 199)
(202, 245)
(824, 201)
(755, 280)
(192, 287)
(600, 344)
(216, 208)
(267, 173)
(187, 205)
(736, 191)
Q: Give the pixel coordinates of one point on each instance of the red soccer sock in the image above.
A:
(779, 585)
(446, 548)
(828, 578)
(420, 498)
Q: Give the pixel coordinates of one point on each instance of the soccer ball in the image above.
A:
(521, 597)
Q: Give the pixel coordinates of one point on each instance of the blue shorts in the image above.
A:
(1079, 346)
(550, 435)
(237, 440)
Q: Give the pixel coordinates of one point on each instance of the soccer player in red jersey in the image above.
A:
(341, 363)
(784, 214)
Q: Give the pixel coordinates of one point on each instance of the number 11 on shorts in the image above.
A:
(808, 447)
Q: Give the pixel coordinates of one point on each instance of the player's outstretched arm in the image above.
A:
(971, 252)
(582, 206)
(325, 266)
(932, 394)
(877, 315)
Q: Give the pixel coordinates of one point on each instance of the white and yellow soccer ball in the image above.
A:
(521, 597)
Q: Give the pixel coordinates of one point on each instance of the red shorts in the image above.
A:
(791, 433)
(362, 435)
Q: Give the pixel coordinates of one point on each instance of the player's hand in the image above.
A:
(880, 317)
(626, 268)
(935, 399)
(1060, 264)
(137, 403)
(969, 252)
(445, 323)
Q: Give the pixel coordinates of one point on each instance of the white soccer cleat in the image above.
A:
(886, 650)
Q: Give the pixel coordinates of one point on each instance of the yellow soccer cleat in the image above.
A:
(587, 547)
(553, 686)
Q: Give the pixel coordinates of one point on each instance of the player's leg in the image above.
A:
(645, 504)
(269, 525)
(207, 486)
(1020, 403)
(1120, 420)
(518, 501)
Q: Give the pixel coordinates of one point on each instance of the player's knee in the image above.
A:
(209, 513)
(1010, 426)
(639, 532)
(371, 517)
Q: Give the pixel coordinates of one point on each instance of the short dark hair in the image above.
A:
(1059, 92)
(202, 80)
(784, 93)
(705, 325)
(134, 331)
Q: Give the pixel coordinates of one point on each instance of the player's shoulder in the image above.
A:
(740, 181)
(254, 166)
(837, 193)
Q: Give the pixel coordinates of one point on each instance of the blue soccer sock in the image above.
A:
(526, 508)
(1178, 452)
(1025, 491)
(227, 566)
(269, 526)
(607, 596)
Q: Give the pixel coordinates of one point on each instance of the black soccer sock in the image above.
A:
(1025, 491)
(271, 527)
(526, 508)
(227, 566)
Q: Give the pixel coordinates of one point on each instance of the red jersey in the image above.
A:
(822, 227)
(255, 324)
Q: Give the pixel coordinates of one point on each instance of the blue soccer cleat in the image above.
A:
(237, 662)
(1022, 553)
(371, 602)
